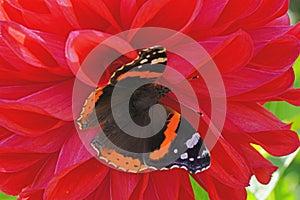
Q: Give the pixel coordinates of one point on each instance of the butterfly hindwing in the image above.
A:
(185, 150)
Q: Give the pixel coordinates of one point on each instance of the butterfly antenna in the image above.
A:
(186, 106)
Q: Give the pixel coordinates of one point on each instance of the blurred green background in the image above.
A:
(285, 184)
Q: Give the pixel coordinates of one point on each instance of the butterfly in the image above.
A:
(175, 145)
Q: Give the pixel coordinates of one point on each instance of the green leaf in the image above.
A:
(251, 196)
(284, 111)
(297, 73)
(5, 197)
(199, 192)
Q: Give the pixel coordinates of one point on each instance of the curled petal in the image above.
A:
(278, 55)
(283, 142)
(261, 167)
(291, 96)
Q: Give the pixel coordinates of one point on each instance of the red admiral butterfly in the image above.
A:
(177, 144)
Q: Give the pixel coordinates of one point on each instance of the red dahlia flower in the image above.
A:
(43, 44)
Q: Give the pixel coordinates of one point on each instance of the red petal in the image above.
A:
(125, 185)
(28, 46)
(13, 183)
(247, 79)
(167, 15)
(76, 183)
(26, 123)
(49, 142)
(68, 12)
(40, 15)
(295, 31)
(42, 177)
(73, 153)
(277, 143)
(251, 117)
(102, 192)
(4, 134)
(284, 20)
(226, 192)
(292, 96)
(31, 195)
(45, 173)
(278, 55)
(265, 12)
(13, 162)
(16, 71)
(271, 89)
(186, 192)
(96, 15)
(55, 100)
(261, 167)
(128, 10)
(227, 61)
(147, 12)
(141, 187)
(210, 12)
(218, 191)
(228, 166)
(167, 184)
(235, 10)
(18, 91)
(263, 35)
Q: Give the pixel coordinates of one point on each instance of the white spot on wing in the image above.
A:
(193, 141)
(158, 60)
(175, 150)
(184, 156)
(143, 61)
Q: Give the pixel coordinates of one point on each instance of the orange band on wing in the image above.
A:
(119, 161)
(88, 107)
(170, 134)
(142, 74)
